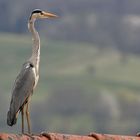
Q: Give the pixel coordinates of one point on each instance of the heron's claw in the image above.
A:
(27, 134)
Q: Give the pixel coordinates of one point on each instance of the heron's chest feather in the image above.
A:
(36, 75)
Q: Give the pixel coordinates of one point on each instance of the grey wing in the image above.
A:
(23, 88)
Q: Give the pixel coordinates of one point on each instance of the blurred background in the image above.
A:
(89, 70)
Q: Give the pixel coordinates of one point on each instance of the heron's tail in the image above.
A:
(11, 118)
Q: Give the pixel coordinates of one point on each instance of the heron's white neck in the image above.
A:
(35, 58)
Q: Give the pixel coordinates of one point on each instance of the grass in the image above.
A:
(77, 63)
(68, 65)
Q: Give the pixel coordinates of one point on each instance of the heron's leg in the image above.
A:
(28, 117)
(22, 117)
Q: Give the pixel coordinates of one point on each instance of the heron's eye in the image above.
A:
(41, 13)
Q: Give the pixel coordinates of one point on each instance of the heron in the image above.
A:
(27, 79)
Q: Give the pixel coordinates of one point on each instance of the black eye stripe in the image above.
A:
(37, 11)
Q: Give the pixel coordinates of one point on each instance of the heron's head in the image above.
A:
(41, 14)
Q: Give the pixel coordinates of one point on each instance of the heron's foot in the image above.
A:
(27, 134)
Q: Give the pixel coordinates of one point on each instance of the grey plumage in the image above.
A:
(23, 87)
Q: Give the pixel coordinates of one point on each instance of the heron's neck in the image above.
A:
(35, 58)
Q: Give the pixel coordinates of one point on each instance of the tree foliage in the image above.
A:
(106, 23)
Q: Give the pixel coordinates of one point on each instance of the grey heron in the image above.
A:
(27, 79)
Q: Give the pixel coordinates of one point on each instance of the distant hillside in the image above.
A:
(106, 23)
(81, 88)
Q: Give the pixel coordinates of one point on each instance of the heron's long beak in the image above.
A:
(49, 15)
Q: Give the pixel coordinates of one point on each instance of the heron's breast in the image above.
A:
(36, 81)
(36, 76)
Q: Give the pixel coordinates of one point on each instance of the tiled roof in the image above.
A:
(57, 136)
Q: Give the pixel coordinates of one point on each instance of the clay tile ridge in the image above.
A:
(57, 136)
